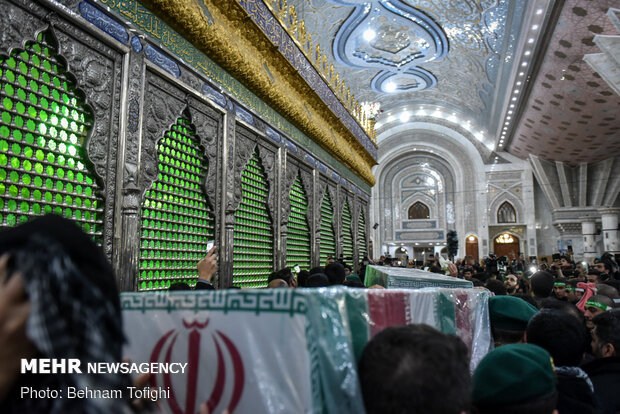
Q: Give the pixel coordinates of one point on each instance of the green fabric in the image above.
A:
(335, 363)
(513, 374)
(507, 312)
(374, 277)
(446, 311)
(597, 305)
(353, 278)
(357, 311)
(405, 278)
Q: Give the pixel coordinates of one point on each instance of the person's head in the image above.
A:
(353, 280)
(509, 317)
(512, 379)
(467, 274)
(511, 282)
(317, 280)
(594, 306)
(559, 289)
(316, 270)
(541, 284)
(179, 286)
(527, 298)
(573, 293)
(335, 273)
(561, 334)
(563, 306)
(74, 309)
(284, 274)
(606, 334)
(496, 286)
(603, 267)
(607, 290)
(347, 269)
(277, 283)
(302, 278)
(415, 369)
(593, 276)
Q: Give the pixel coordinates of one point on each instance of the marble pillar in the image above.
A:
(588, 230)
(609, 218)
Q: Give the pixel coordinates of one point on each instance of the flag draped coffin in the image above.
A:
(461, 312)
(248, 351)
(282, 350)
(398, 277)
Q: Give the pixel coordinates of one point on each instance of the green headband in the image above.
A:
(598, 305)
(570, 289)
(559, 284)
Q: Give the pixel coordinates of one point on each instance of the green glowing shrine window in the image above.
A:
(253, 232)
(44, 125)
(298, 235)
(347, 234)
(361, 236)
(327, 241)
(177, 221)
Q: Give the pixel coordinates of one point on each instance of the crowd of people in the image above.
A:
(556, 331)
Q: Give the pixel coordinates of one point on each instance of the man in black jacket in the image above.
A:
(604, 370)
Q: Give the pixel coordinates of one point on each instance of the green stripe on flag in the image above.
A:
(445, 312)
(357, 311)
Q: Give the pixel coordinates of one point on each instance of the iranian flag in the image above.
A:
(282, 350)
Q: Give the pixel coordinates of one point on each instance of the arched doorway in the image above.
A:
(471, 247)
(505, 244)
(402, 255)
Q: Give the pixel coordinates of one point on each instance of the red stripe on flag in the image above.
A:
(387, 308)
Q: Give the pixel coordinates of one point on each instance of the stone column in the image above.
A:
(588, 227)
(609, 217)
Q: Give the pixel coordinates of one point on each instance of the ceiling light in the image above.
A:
(519, 83)
(515, 91)
(530, 40)
(508, 117)
(390, 87)
(524, 64)
(521, 73)
(514, 98)
(509, 112)
(512, 105)
(527, 52)
(539, 11)
(404, 117)
(535, 27)
(369, 34)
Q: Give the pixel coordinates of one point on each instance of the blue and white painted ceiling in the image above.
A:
(454, 57)
(393, 37)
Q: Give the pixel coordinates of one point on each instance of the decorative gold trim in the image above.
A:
(231, 39)
(296, 28)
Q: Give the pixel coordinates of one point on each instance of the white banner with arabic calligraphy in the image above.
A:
(247, 352)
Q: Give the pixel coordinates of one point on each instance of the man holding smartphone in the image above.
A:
(207, 268)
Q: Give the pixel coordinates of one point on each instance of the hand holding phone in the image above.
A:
(208, 265)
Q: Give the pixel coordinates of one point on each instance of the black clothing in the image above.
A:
(605, 375)
(575, 392)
